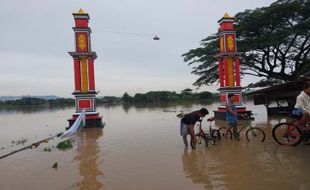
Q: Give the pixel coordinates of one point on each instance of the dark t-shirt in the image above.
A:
(191, 118)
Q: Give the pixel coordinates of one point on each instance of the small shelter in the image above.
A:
(279, 99)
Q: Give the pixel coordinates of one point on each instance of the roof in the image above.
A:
(81, 11)
(285, 91)
(226, 15)
(281, 87)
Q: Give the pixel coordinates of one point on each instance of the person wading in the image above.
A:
(188, 123)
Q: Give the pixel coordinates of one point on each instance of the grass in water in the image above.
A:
(47, 149)
(64, 145)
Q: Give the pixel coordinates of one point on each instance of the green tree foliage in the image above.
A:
(187, 90)
(61, 102)
(30, 101)
(109, 99)
(167, 96)
(26, 101)
(275, 41)
(126, 97)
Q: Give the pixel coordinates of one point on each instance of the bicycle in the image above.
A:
(251, 134)
(291, 133)
(204, 138)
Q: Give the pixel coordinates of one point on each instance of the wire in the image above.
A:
(156, 36)
(125, 33)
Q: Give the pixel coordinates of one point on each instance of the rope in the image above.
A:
(36, 144)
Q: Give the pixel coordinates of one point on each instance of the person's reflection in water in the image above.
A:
(202, 169)
(88, 154)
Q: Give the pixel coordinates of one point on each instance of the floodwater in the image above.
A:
(140, 148)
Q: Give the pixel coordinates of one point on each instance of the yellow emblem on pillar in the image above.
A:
(82, 42)
(230, 43)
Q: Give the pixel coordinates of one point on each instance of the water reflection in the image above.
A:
(142, 150)
(202, 168)
(126, 107)
(88, 154)
(244, 165)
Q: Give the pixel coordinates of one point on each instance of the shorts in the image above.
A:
(230, 125)
(298, 111)
(184, 129)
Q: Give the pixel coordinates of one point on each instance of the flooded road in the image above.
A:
(140, 148)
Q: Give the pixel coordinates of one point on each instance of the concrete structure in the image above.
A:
(84, 75)
(229, 67)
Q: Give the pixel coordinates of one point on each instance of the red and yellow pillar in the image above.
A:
(228, 65)
(84, 72)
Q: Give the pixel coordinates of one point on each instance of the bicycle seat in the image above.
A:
(211, 119)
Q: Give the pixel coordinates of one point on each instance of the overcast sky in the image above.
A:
(36, 35)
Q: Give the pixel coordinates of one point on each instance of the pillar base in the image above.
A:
(92, 121)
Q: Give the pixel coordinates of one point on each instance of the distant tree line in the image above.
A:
(31, 101)
(149, 97)
(167, 96)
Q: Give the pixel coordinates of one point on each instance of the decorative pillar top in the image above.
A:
(82, 36)
(226, 23)
(81, 14)
(81, 19)
(227, 34)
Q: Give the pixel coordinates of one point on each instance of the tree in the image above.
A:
(126, 97)
(140, 97)
(275, 41)
(205, 96)
(187, 91)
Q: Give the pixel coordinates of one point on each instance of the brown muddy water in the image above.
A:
(140, 148)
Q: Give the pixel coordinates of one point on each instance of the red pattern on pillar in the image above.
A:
(221, 76)
(237, 65)
(91, 76)
(77, 74)
(226, 71)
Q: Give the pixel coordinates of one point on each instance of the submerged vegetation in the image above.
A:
(64, 145)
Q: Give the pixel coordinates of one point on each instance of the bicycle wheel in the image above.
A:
(215, 135)
(202, 141)
(287, 134)
(222, 131)
(255, 134)
(306, 141)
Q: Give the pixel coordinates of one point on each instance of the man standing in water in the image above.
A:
(188, 123)
(302, 106)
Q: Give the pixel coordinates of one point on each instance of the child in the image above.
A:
(302, 106)
(232, 116)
